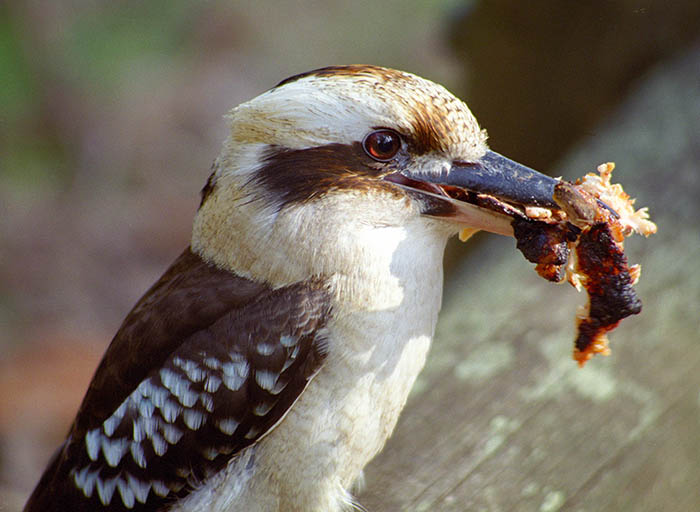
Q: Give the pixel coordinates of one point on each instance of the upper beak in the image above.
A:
(494, 175)
(503, 178)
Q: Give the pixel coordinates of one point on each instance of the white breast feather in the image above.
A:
(377, 347)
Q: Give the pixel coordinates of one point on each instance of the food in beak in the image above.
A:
(571, 231)
(606, 215)
(581, 241)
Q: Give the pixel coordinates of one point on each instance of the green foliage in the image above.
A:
(88, 54)
(102, 46)
(17, 87)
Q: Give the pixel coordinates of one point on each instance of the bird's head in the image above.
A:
(330, 166)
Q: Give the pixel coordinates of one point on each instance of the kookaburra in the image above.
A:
(270, 362)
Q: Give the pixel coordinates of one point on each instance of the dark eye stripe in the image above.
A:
(295, 176)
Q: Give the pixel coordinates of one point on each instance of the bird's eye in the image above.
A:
(382, 145)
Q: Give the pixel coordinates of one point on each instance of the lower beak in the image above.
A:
(486, 194)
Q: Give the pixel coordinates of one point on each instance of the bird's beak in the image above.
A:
(486, 194)
(501, 177)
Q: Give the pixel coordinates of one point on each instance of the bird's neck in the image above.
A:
(370, 263)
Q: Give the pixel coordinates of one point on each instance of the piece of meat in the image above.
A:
(608, 282)
(583, 242)
(547, 245)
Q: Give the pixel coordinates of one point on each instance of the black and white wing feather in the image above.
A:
(205, 364)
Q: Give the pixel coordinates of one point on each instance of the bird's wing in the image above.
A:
(205, 364)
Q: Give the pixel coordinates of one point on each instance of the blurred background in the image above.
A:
(111, 114)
